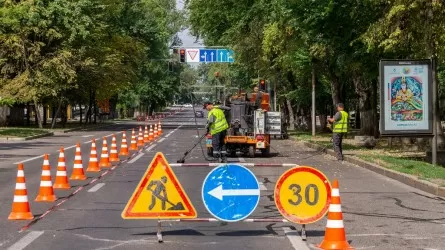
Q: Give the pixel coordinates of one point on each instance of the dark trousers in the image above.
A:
(219, 147)
(337, 139)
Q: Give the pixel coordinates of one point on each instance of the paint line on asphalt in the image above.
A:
(26, 240)
(70, 147)
(241, 159)
(161, 140)
(86, 136)
(295, 239)
(96, 187)
(30, 159)
(262, 187)
(87, 142)
(151, 147)
(136, 158)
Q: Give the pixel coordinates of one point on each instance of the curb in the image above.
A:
(407, 179)
(87, 127)
(27, 138)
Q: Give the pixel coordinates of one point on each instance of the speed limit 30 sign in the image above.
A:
(303, 194)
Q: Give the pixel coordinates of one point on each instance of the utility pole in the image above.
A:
(313, 100)
(434, 144)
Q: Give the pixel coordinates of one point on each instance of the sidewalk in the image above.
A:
(351, 155)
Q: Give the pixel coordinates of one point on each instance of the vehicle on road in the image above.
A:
(251, 125)
(188, 105)
(199, 114)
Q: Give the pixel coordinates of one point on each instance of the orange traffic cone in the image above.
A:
(61, 176)
(151, 135)
(104, 157)
(146, 139)
(20, 206)
(159, 128)
(140, 138)
(78, 173)
(124, 145)
(93, 166)
(113, 152)
(156, 131)
(133, 145)
(335, 236)
(46, 191)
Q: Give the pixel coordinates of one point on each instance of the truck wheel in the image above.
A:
(251, 151)
(210, 152)
(266, 151)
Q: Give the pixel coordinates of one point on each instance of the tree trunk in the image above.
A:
(53, 123)
(95, 106)
(323, 121)
(80, 112)
(45, 114)
(367, 125)
(335, 87)
(38, 116)
(28, 115)
(291, 115)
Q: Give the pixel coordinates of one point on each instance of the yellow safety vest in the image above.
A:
(220, 123)
(342, 125)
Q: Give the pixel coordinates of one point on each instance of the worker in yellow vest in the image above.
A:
(217, 126)
(340, 121)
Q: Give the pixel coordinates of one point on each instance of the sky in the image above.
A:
(187, 39)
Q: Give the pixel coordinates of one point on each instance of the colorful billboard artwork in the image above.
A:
(407, 99)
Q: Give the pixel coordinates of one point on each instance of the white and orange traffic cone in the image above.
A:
(104, 157)
(20, 206)
(46, 191)
(146, 139)
(133, 145)
(114, 157)
(78, 173)
(159, 128)
(93, 165)
(124, 144)
(335, 236)
(150, 134)
(155, 133)
(140, 138)
(61, 175)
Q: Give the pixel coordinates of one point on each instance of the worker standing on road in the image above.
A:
(340, 121)
(217, 126)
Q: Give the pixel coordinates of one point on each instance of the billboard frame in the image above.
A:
(384, 131)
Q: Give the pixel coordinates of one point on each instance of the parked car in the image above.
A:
(188, 105)
(199, 114)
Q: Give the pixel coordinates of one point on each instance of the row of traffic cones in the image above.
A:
(21, 208)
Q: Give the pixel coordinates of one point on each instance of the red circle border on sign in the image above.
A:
(283, 178)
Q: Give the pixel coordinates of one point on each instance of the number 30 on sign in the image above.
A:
(303, 195)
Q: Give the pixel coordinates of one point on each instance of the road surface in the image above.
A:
(379, 213)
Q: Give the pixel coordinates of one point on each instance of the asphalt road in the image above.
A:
(379, 213)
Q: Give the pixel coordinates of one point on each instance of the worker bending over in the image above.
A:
(217, 126)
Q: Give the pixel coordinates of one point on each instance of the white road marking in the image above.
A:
(86, 136)
(67, 148)
(161, 140)
(262, 186)
(87, 142)
(241, 159)
(26, 240)
(136, 158)
(96, 187)
(150, 148)
(30, 159)
(295, 239)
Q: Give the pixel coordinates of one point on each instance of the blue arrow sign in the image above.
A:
(208, 55)
(230, 192)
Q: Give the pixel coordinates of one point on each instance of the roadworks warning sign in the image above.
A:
(159, 195)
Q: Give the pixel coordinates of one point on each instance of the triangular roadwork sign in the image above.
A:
(159, 195)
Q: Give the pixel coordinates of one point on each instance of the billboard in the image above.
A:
(406, 97)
